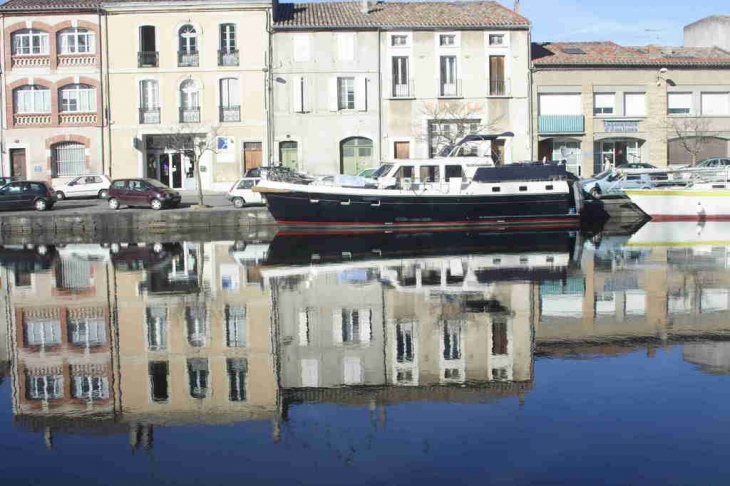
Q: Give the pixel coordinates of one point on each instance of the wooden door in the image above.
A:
(252, 155)
(402, 150)
(17, 163)
(497, 85)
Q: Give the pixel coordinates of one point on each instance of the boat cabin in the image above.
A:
(412, 174)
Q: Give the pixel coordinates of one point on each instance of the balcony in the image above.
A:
(498, 87)
(149, 116)
(148, 59)
(558, 124)
(77, 119)
(230, 113)
(77, 60)
(450, 90)
(31, 119)
(403, 90)
(30, 61)
(228, 58)
(188, 59)
(190, 115)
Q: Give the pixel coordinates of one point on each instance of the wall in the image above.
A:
(713, 31)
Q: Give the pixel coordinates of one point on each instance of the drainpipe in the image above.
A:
(269, 91)
(380, 101)
(103, 92)
(107, 109)
(4, 152)
(530, 101)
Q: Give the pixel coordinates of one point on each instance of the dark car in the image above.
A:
(27, 194)
(6, 180)
(142, 192)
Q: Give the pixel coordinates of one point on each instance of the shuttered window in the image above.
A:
(69, 159)
(679, 103)
(560, 104)
(715, 104)
(635, 104)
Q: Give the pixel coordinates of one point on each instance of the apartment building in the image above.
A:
(599, 104)
(195, 73)
(356, 82)
(52, 87)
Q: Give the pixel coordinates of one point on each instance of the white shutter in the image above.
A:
(298, 94)
(361, 93)
(301, 47)
(715, 104)
(352, 370)
(365, 325)
(634, 104)
(560, 104)
(337, 326)
(680, 101)
(604, 100)
(333, 93)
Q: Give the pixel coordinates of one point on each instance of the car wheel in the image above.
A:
(596, 193)
(102, 194)
(60, 196)
(114, 203)
(156, 204)
(40, 205)
(239, 202)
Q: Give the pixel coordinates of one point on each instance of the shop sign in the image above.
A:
(620, 126)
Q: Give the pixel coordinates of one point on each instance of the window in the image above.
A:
(78, 98)
(496, 39)
(448, 76)
(237, 369)
(429, 173)
(404, 342)
(400, 77)
(301, 46)
(560, 104)
(87, 387)
(44, 387)
(198, 374)
(197, 325)
(229, 102)
(453, 171)
(188, 39)
(304, 327)
(235, 326)
(715, 104)
(603, 103)
(497, 82)
(635, 104)
(679, 103)
(147, 55)
(43, 332)
(158, 372)
(447, 40)
(346, 93)
(228, 38)
(500, 339)
(68, 159)
(189, 95)
(156, 328)
(87, 332)
(352, 370)
(352, 326)
(405, 172)
(76, 41)
(399, 40)
(32, 99)
(149, 94)
(30, 42)
(452, 341)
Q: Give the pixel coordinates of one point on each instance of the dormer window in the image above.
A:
(496, 39)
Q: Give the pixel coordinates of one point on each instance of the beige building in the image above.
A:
(198, 69)
(51, 79)
(598, 104)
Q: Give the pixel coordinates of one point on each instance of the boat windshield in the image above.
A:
(381, 171)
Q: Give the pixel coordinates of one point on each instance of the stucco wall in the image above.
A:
(709, 32)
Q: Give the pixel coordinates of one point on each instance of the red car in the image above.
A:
(142, 192)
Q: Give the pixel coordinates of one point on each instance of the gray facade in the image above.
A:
(712, 31)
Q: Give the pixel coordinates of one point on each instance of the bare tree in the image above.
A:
(194, 141)
(693, 134)
(450, 121)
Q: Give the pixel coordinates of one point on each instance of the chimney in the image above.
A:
(517, 6)
(364, 7)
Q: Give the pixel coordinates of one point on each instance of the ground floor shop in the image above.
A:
(584, 157)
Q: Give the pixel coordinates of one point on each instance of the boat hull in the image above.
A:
(316, 209)
(683, 204)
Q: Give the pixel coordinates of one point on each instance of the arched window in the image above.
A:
(189, 102)
(187, 46)
(32, 99)
(356, 155)
(77, 98)
(68, 159)
(288, 153)
(29, 42)
(76, 41)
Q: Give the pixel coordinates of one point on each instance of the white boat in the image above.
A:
(681, 234)
(695, 202)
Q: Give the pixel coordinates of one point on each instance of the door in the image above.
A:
(153, 166)
(252, 155)
(17, 163)
(20, 195)
(177, 171)
(288, 154)
(9, 195)
(402, 150)
(136, 193)
(357, 154)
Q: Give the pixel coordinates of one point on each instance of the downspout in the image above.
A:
(107, 108)
(103, 93)
(4, 152)
(530, 126)
(380, 100)
(269, 91)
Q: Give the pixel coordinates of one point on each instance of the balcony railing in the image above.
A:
(230, 113)
(76, 60)
(32, 61)
(30, 119)
(403, 90)
(190, 115)
(188, 59)
(450, 90)
(77, 119)
(149, 116)
(498, 87)
(557, 124)
(228, 58)
(148, 59)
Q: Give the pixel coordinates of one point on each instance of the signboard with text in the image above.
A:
(620, 126)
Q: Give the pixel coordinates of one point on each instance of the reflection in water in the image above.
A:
(128, 337)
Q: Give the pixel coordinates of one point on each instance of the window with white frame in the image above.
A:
(452, 341)
(346, 93)
(188, 39)
(228, 38)
(496, 39)
(89, 387)
(30, 42)
(715, 104)
(447, 40)
(87, 332)
(156, 328)
(679, 103)
(401, 77)
(78, 98)
(398, 40)
(196, 318)
(229, 93)
(634, 104)
(189, 95)
(44, 387)
(352, 326)
(32, 99)
(448, 76)
(560, 104)
(235, 326)
(68, 159)
(42, 332)
(604, 103)
(76, 41)
(149, 94)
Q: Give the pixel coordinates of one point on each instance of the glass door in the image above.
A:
(176, 172)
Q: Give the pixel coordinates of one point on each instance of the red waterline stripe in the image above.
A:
(690, 217)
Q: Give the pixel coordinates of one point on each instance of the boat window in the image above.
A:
(549, 188)
(381, 171)
(405, 172)
(496, 189)
(523, 188)
(429, 173)
(453, 171)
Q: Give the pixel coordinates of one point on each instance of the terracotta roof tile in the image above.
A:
(568, 54)
(15, 5)
(397, 15)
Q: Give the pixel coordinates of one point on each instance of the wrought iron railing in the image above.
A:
(190, 115)
(148, 59)
(188, 58)
(230, 113)
(228, 58)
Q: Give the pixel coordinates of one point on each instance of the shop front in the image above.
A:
(168, 164)
(614, 152)
(562, 150)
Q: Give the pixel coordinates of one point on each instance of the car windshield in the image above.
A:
(381, 171)
(602, 175)
(156, 183)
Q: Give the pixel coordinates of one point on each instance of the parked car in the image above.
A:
(611, 181)
(142, 192)
(635, 165)
(6, 180)
(27, 194)
(710, 163)
(84, 186)
(241, 192)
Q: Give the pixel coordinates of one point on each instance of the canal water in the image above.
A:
(501, 357)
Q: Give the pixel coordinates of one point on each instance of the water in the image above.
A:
(480, 358)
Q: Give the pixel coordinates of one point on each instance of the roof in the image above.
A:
(599, 54)
(397, 15)
(15, 5)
